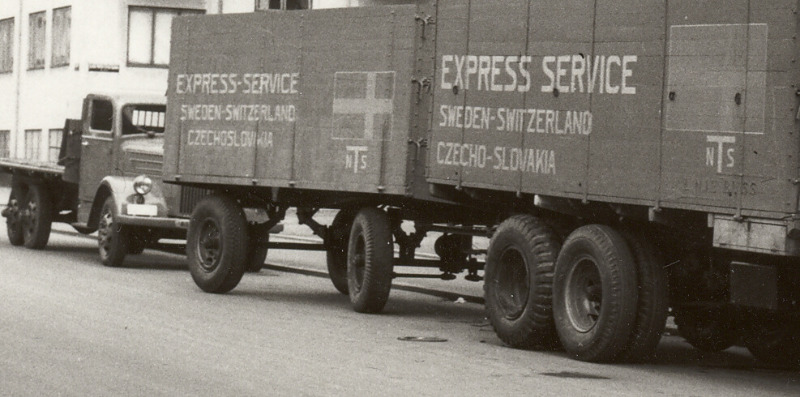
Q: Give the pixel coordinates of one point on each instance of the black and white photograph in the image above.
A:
(400, 198)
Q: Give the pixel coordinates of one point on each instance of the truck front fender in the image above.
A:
(121, 189)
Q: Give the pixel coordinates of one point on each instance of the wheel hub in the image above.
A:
(209, 247)
(513, 284)
(584, 295)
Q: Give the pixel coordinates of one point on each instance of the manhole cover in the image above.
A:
(421, 339)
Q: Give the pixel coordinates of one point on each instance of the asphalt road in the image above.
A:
(70, 326)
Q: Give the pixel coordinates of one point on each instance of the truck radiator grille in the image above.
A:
(190, 196)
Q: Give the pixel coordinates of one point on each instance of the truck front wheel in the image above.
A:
(519, 279)
(37, 217)
(216, 244)
(595, 294)
(13, 214)
(113, 239)
(369, 261)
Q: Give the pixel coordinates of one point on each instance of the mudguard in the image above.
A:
(126, 199)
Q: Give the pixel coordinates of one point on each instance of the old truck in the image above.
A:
(107, 179)
(628, 159)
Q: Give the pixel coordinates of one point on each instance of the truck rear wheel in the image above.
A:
(13, 213)
(594, 294)
(216, 243)
(707, 329)
(37, 217)
(653, 305)
(369, 261)
(336, 248)
(519, 279)
(113, 239)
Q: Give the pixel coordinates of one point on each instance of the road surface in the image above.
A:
(70, 326)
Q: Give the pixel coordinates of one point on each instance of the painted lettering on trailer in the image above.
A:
(541, 121)
(230, 138)
(575, 73)
(233, 83)
(356, 158)
(502, 158)
(231, 112)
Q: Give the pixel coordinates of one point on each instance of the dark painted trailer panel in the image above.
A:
(304, 100)
(670, 104)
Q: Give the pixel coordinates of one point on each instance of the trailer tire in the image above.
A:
(775, 342)
(216, 244)
(369, 261)
(13, 213)
(336, 242)
(707, 329)
(38, 217)
(257, 248)
(113, 239)
(519, 279)
(594, 294)
(653, 295)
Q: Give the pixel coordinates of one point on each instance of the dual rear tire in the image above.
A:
(602, 295)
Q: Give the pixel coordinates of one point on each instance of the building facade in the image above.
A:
(54, 52)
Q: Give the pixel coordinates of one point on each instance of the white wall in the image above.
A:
(98, 38)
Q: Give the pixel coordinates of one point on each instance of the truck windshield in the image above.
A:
(141, 119)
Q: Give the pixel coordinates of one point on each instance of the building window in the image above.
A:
(54, 144)
(283, 4)
(32, 139)
(62, 20)
(6, 45)
(36, 41)
(149, 31)
(5, 144)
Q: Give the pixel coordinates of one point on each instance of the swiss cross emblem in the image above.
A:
(363, 103)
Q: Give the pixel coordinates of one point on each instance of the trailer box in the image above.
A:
(321, 101)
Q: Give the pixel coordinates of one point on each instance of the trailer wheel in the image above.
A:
(594, 294)
(257, 247)
(13, 213)
(775, 342)
(707, 329)
(369, 260)
(519, 279)
(37, 217)
(653, 305)
(336, 248)
(216, 244)
(113, 239)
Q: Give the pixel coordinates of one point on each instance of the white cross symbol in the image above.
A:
(369, 106)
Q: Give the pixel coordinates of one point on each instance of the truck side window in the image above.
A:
(102, 115)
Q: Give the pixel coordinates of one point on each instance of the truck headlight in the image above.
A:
(142, 184)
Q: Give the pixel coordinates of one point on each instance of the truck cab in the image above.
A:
(108, 179)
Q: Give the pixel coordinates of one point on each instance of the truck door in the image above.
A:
(97, 150)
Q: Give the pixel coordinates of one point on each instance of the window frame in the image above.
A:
(31, 61)
(31, 154)
(10, 49)
(54, 145)
(153, 12)
(58, 62)
(5, 143)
